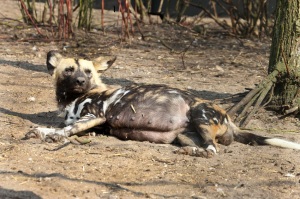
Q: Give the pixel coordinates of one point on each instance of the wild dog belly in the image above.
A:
(154, 108)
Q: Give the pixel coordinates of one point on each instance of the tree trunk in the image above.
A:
(280, 89)
(285, 55)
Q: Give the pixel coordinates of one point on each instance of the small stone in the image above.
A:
(31, 99)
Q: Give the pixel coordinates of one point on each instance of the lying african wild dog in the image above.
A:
(155, 113)
(75, 77)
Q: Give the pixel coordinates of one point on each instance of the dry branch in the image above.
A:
(30, 17)
(251, 103)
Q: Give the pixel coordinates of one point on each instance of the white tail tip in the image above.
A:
(282, 143)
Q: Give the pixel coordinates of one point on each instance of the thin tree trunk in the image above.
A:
(285, 52)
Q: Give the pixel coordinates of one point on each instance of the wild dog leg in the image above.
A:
(208, 133)
(81, 126)
(192, 144)
(55, 135)
(190, 138)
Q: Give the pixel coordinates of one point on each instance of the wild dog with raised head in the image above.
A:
(159, 114)
(75, 77)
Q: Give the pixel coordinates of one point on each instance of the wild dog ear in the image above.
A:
(53, 59)
(103, 63)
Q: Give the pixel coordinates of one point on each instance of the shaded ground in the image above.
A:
(215, 66)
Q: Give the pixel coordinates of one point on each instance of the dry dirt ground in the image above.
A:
(215, 66)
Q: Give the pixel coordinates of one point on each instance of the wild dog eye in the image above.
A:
(88, 72)
(69, 71)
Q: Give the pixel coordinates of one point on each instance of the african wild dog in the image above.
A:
(75, 77)
(155, 113)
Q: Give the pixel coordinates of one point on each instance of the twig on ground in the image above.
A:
(59, 147)
(292, 110)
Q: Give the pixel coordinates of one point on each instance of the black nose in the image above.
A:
(80, 80)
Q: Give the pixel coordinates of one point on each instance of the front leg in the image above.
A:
(82, 125)
(54, 135)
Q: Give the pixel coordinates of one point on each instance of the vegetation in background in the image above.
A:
(85, 14)
(247, 18)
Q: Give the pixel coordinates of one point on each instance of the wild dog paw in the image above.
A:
(33, 133)
(50, 138)
(212, 149)
(194, 151)
(45, 134)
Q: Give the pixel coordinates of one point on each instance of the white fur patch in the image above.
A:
(173, 92)
(121, 97)
(212, 148)
(203, 114)
(215, 120)
(113, 99)
(225, 121)
(282, 143)
(72, 117)
(43, 132)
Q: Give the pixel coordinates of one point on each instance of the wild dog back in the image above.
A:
(149, 107)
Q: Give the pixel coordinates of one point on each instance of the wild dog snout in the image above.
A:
(80, 81)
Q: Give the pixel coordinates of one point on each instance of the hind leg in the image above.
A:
(190, 138)
(192, 144)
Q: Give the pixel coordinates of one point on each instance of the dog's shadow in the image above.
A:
(47, 119)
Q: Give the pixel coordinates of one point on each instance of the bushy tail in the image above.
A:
(246, 137)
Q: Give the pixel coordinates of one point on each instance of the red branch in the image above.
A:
(69, 31)
(61, 19)
(29, 16)
(102, 15)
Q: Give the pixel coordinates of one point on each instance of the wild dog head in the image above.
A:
(75, 77)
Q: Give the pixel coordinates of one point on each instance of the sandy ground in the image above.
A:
(215, 66)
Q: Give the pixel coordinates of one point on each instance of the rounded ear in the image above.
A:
(53, 59)
(103, 63)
